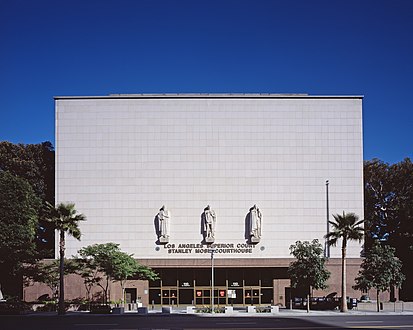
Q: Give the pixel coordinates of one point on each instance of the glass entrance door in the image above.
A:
(252, 296)
(203, 296)
(169, 297)
(232, 286)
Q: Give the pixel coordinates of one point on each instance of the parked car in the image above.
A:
(364, 298)
(322, 303)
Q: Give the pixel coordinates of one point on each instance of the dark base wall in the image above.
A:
(276, 267)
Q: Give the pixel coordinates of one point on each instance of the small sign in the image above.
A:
(199, 293)
(222, 293)
(232, 294)
(186, 284)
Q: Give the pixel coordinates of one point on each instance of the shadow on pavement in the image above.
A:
(163, 321)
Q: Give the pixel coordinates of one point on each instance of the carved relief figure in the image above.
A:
(255, 224)
(209, 218)
(163, 218)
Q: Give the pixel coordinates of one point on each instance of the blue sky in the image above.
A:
(98, 47)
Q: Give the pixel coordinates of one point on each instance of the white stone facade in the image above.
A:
(120, 158)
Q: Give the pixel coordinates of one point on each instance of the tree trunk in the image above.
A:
(61, 308)
(343, 307)
(88, 291)
(123, 293)
(378, 301)
(106, 293)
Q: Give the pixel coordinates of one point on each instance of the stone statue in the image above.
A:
(209, 218)
(255, 224)
(163, 218)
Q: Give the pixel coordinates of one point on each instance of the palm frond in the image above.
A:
(345, 226)
(65, 218)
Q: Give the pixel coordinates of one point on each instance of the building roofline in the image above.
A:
(211, 96)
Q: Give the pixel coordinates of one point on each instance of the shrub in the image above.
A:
(100, 309)
(14, 306)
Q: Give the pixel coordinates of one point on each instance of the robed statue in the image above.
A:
(163, 224)
(208, 224)
(255, 222)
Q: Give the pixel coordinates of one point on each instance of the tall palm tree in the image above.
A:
(65, 219)
(347, 227)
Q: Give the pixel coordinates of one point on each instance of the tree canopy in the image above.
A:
(309, 270)
(116, 265)
(19, 207)
(388, 199)
(34, 163)
(380, 270)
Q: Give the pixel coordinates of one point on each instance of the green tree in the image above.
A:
(116, 265)
(19, 207)
(380, 269)
(402, 236)
(35, 163)
(379, 201)
(125, 267)
(309, 270)
(388, 191)
(65, 219)
(99, 258)
(90, 274)
(48, 273)
(347, 228)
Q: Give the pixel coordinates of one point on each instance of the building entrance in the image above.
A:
(130, 295)
(169, 296)
(203, 296)
(233, 286)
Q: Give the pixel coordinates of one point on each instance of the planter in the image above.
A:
(251, 309)
(142, 310)
(100, 309)
(118, 310)
(229, 310)
(14, 308)
(190, 309)
(275, 309)
(167, 310)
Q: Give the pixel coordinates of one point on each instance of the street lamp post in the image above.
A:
(327, 249)
(212, 251)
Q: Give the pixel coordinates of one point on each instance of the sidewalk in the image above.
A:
(284, 313)
(237, 313)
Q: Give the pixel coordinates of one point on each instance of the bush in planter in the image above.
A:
(262, 309)
(205, 309)
(14, 306)
(79, 304)
(48, 306)
(100, 309)
(51, 306)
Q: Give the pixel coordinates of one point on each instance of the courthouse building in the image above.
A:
(170, 176)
